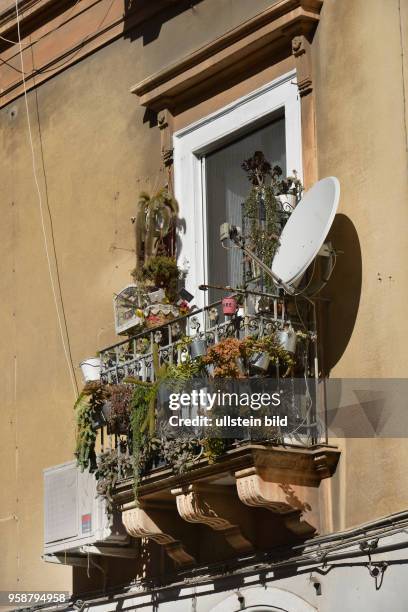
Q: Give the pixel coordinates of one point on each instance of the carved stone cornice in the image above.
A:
(236, 54)
(157, 525)
(212, 507)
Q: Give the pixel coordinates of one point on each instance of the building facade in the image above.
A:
(124, 97)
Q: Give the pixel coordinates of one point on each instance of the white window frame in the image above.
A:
(194, 141)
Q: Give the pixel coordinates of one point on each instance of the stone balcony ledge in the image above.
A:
(253, 497)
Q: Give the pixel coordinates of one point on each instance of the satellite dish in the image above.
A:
(306, 230)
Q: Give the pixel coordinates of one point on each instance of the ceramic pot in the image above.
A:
(198, 348)
(229, 305)
(91, 369)
(261, 362)
(287, 202)
(287, 339)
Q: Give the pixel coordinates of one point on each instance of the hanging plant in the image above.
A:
(141, 401)
(110, 466)
(119, 398)
(87, 406)
(181, 452)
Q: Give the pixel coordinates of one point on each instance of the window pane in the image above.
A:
(227, 187)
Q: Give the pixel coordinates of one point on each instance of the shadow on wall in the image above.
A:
(150, 30)
(156, 14)
(343, 290)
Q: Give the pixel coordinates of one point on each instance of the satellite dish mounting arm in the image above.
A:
(231, 232)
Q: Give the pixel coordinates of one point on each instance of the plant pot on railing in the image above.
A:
(287, 202)
(260, 362)
(229, 306)
(287, 338)
(97, 420)
(198, 348)
(91, 369)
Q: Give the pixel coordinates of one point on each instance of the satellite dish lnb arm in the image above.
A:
(233, 234)
(278, 281)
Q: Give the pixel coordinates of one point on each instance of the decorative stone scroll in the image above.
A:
(285, 500)
(214, 507)
(157, 525)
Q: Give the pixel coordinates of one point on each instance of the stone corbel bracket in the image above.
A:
(165, 123)
(301, 52)
(214, 507)
(257, 488)
(158, 525)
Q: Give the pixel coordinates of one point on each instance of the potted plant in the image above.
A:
(227, 357)
(287, 338)
(155, 223)
(261, 352)
(117, 408)
(163, 273)
(288, 191)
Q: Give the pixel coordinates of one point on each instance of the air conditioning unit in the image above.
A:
(75, 519)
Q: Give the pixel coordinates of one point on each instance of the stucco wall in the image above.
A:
(99, 152)
(362, 139)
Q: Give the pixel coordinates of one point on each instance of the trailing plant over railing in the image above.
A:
(141, 440)
(111, 467)
(87, 407)
(119, 398)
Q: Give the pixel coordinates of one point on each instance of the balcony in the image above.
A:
(252, 494)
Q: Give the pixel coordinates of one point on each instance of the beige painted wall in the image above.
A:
(98, 154)
(362, 139)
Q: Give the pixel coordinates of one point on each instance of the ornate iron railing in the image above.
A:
(134, 356)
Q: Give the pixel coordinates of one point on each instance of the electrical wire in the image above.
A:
(12, 42)
(63, 22)
(40, 202)
(71, 54)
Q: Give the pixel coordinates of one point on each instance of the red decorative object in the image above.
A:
(229, 305)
